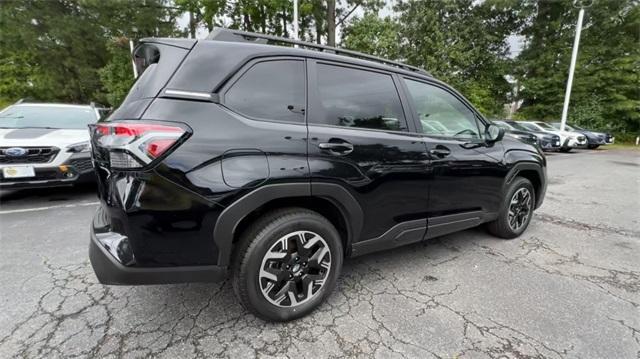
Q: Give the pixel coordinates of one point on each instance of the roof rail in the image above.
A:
(224, 34)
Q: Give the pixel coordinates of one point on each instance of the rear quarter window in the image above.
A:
(270, 90)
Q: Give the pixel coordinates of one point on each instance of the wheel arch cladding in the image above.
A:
(333, 202)
(534, 173)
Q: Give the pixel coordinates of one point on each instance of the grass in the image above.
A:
(621, 146)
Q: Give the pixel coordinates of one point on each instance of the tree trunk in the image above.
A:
(263, 19)
(284, 23)
(331, 22)
(318, 33)
(192, 25)
(247, 23)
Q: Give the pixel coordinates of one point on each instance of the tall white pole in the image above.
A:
(572, 67)
(295, 20)
(133, 62)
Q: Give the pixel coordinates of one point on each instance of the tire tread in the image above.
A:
(500, 227)
(250, 238)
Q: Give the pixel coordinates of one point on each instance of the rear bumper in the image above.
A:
(110, 271)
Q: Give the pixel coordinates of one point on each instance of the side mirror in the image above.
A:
(493, 133)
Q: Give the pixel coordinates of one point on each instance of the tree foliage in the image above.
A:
(77, 50)
(54, 50)
(606, 87)
(463, 42)
(49, 50)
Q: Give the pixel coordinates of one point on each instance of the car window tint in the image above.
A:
(441, 113)
(359, 98)
(271, 90)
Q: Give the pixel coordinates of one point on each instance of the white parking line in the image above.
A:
(50, 207)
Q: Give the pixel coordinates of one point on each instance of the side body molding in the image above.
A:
(227, 222)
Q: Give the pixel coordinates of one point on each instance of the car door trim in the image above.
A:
(442, 225)
(398, 235)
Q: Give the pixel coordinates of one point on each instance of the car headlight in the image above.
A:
(79, 147)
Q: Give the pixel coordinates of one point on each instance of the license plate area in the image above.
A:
(18, 172)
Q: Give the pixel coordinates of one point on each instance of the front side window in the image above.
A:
(359, 98)
(441, 113)
(270, 90)
(47, 116)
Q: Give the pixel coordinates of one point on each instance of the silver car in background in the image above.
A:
(568, 139)
(45, 145)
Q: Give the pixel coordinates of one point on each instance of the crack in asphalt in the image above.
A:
(573, 224)
(77, 317)
(466, 295)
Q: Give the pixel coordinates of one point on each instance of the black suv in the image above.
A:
(274, 163)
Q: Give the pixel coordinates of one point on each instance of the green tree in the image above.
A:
(462, 42)
(606, 88)
(54, 50)
(49, 50)
(373, 35)
(117, 74)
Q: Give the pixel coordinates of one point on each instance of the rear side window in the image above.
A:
(270, 90)
(358, 98)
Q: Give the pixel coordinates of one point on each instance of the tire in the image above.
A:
(565, 149)
(280, 233)
(593, 147)
(501, 227)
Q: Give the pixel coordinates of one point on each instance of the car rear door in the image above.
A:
(465, 173)
(360, 139)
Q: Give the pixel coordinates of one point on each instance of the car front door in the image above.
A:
(466, 173)
(360, 139)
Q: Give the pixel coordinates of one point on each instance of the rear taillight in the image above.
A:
(134, 145)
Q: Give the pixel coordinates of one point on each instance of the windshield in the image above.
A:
(530, 127)
(518, 126)
(504, 125)
(43, 116)
(545, 125)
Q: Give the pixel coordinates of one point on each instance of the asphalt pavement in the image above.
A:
(568, 288)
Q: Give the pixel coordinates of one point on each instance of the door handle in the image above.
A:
(440, 151)
(337, 148)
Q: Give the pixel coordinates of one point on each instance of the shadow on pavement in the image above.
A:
(53, 194)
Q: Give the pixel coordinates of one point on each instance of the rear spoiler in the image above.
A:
(181, 43)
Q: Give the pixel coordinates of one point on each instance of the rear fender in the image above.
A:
(227, 222)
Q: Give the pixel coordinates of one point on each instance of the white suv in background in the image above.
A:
(45, 144)
(568, 139)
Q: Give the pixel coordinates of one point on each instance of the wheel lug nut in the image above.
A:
(297, 259)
